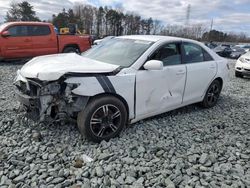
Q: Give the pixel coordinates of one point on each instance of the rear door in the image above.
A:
(201, 70)
(44, 41)
(18, 44)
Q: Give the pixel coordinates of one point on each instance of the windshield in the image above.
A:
(118, 51)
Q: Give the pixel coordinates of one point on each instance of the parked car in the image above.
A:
(98, 41)
(211, 45)
(30, 39)
(246, 48)
(237, 52)
(121, 81)
(226, 45)
(223, 51)
(242, 66)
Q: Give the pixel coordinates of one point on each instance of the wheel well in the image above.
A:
(220, 80)
(114, 95)
(71, 45)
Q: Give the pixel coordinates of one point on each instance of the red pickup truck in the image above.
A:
(30, 39)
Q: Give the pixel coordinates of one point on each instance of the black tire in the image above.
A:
(71, 50)
(212, 94)
(238, 74)
(103, 118)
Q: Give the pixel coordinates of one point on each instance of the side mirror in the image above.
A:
(153, 65)
(5, 34)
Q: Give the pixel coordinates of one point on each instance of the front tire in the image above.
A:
(102, 119)
(212, 94)
(238, 74)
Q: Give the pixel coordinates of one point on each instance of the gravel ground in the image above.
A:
(188, 147)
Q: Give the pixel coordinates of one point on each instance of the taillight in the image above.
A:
(90, 40)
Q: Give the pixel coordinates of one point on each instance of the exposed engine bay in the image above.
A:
(49, 101)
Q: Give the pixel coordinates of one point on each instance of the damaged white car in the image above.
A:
(121, 81)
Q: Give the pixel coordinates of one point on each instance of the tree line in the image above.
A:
(106, 21)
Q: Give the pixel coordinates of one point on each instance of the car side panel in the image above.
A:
(199, 75)
(123, 85)
(17, 47)
(83, 42)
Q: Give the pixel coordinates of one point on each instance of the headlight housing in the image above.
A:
(244, 60)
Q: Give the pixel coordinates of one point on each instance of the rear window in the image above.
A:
(39, 30)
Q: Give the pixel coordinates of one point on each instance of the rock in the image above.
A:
(104, 156)
(57, 180)
(239, 170)
(19, 178)
(45, 156)
(99, 171)
(120, 180)
(36, 136)
(66, 183)
(193, 158)
(203, 159)
(86, 159)
(12, 175)
(130, 180)
(160, 153)
(128, 160)
(225, 167)
(169, 183)
(141, 149)
(78, 163)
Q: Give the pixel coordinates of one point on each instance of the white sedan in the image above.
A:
(121, 81)
(242, 66)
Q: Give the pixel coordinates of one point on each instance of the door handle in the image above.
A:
(212, 67)
(27, 40)
(180, 72)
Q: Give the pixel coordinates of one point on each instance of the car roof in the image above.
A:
(153, 38)
(26, 23)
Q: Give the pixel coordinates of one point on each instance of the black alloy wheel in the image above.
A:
(212, 94)
(103, 118)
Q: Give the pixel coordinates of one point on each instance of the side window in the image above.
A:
(192, 53)
(38, 30)
(169, 54)
(18, 31)
(207, 56)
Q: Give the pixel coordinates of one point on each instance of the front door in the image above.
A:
(160, 90)
(18, 44)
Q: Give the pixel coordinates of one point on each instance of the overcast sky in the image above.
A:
(228, 16)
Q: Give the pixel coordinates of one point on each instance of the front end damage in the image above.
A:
(49, 101)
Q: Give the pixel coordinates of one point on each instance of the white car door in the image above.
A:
(201, 70)
(159, 90)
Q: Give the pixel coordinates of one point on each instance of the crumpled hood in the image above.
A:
(52, 67)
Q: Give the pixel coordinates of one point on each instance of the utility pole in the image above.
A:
(188, 14)
(211, 28)
(212, 23)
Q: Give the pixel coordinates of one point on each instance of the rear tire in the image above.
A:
(71, 50)
(238, 74)
(102, 119)
(212, 94)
